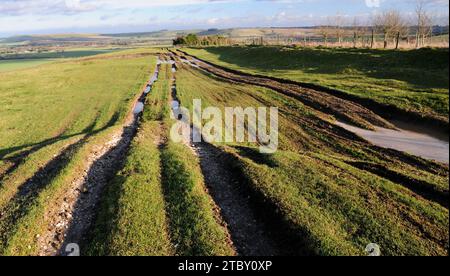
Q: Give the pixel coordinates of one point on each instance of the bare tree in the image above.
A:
(339, 28)
(325, 31)
(391, 24)
(424, 23)
(358, 32)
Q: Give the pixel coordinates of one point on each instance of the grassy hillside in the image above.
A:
(415, 80)
(334, 206)
(64, 99)
(51, 118)
(324, 192)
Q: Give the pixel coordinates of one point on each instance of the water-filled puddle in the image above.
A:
(175, 105)
(147, 89)
(407, 139)
(138, 108)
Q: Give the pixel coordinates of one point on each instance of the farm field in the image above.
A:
(79, 164)
(415, 81)
(12, 62)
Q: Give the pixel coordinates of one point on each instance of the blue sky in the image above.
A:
(109, 16)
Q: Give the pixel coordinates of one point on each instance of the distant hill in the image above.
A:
(52, 38)
(161, 34)
(167, 36)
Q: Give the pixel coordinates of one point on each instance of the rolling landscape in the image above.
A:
(89, 164)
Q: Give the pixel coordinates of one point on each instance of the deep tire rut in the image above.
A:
(250, 235)
(249, 232)
(71, 221)
(342, 109)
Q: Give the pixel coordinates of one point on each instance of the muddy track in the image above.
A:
(421, 188)
(387, 154)
(250, 234)
(390, 112)
(74, 218)
(71, 220)
(28, 192)
(340, 108)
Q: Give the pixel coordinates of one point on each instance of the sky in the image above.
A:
(20, 17)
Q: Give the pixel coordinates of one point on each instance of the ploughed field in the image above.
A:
(80, 164)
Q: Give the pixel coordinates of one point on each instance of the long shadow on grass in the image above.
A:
(18, 159)
(20, 205)
(26, 197)
(380, 64)
(287, 241)
(86, 210)
(426, 190)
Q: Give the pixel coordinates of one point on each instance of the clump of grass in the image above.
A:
(156, 104)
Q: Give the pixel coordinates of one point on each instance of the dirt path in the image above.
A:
(249, 233)
(345, 110)
(70, 222)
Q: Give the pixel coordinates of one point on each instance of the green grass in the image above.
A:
(15, 64)
(45, 110)
(195, 229)
(336, 208)
(414, 80)
(64, 99)
(157, 205)
(75, 53)
(132, 220)
(339, 210)
(28, 221)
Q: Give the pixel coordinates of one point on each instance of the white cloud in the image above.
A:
(14, 7)
(373, 3)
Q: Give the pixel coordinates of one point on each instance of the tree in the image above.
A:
(325, 33)
(358, 32)
(391, 24)
(339, 28)
(424, 23)
(326, 30)
(189, 40)
(179, 41)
